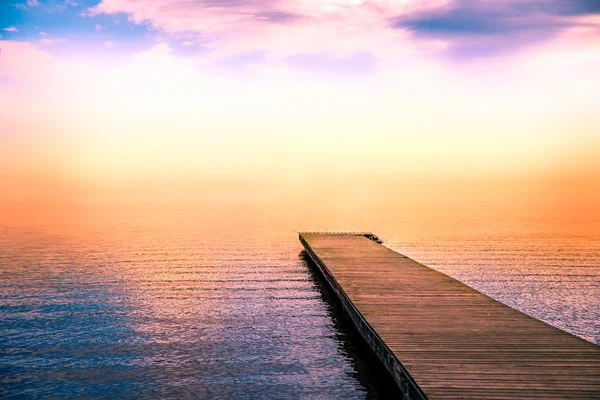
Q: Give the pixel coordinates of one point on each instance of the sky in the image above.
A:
(174, 99)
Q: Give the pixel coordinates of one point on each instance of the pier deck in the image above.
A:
(441, 339)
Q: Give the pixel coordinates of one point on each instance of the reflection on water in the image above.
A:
(177, 305)
(551, 275)
(175, 313)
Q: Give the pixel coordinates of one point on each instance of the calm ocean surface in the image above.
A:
(222, 306)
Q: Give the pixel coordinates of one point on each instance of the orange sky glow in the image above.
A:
(158, 126)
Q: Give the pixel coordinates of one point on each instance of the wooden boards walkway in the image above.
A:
(441, 339)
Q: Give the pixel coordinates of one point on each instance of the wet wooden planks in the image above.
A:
(441, 339)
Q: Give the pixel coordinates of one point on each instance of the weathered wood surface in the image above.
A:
(441, 339)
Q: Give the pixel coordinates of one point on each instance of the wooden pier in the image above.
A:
(441, 339)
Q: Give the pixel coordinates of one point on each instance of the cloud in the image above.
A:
(193, 15)
(388, 30)
(32, 3)
(281, 28)
(243, 60)
(277, 16)
(11, 29)
(98, 27)
(23, 62)
(50, 42)
(475, 28)
(574, 7)
(43, 34)
(323, 64)
(109, 44)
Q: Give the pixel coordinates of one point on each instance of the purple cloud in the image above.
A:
(477, 28)
(358, 64)
(574, 7)
(240, 61)
(5, 79)
(278, 16)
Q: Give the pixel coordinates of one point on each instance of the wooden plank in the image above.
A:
(441, 339)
